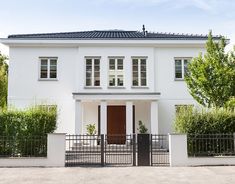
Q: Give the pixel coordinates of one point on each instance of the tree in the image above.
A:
(211, 78)
(3, 80)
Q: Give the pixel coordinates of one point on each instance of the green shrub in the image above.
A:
(142, 128)
(197, 124)
(213, 121)
(91, 129)
(25, 131)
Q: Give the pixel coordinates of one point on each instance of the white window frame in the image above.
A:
(48, 68)
(182, 67)
(92, 58)
(116, 72)
(139, 72)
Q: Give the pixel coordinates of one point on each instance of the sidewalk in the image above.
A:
(119, 175)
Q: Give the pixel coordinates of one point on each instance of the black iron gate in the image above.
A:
(159, 150)
(110, 150)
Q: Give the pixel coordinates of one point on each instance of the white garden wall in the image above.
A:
(179, 154)
(55, 155)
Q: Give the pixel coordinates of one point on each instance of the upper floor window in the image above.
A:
(183, 107)
(48, 68)
(48, 108)
(92, 71)
(116, 72)
(181, 65)
(139, 72)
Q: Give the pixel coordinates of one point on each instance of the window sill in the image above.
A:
(92, 87)
(179, 79)
(47, 79)
(116, 87)
(139, 87)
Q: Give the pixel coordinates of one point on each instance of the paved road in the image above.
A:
(119, 175)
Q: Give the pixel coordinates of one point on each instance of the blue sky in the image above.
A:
(178, 16)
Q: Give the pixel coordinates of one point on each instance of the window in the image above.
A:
(181, 65)
(116, 72)
(184, 106)
(48, 68)
(139, 72)
(48, 108)
(92, 72)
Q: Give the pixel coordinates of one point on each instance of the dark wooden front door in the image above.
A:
(116, 124)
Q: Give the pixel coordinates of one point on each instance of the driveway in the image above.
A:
(119, 175)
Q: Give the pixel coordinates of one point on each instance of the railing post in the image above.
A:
(134, 149)
(234, 141)
(102, 149)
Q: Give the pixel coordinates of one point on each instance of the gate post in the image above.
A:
(102, 149)
(134, 149)
(143, 150)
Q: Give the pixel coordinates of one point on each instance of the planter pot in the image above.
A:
(143, 141)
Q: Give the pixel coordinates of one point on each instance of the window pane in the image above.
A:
(53, 61)
(111, 64)
(120, 64)
(43, 69)
(53, 71)
(178, 69)
(143, 82)
(143, 61)
(97, 61)
(44, 62)
(88, 81)
(111, 80)
(88, 72)
(135, 61)
(143, 65)
(120, 80)
(88, 61)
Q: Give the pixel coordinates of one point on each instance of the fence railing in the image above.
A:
(159, 150)
(204, 145)
(121, 150)
(19, 146)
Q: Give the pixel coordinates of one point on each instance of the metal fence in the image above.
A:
(119, 149)
(83, 150)
(113, 150)
(202, 145)
(23, 146)
(159, 150)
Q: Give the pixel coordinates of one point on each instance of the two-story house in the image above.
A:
(112, 79)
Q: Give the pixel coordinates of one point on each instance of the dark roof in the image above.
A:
(112, 35)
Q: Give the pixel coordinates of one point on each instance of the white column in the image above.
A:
(178, 154)
(78, 117)
(129, 117)
(56, 149)
(103, 117)
(154, 117)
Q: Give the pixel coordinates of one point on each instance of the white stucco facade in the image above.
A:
(78, 105)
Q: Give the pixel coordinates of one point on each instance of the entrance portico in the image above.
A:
(94, 108)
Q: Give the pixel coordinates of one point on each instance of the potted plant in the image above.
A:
(91, 139)
(143, 141)
(142, 128)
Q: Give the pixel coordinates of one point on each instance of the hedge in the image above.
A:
(24, 132)
(213, 121)
(209, 132)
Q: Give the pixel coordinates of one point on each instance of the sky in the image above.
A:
(174, 16)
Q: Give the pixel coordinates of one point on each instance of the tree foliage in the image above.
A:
(3, 80)
(211, 78)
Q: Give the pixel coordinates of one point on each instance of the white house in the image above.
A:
(110, 78)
